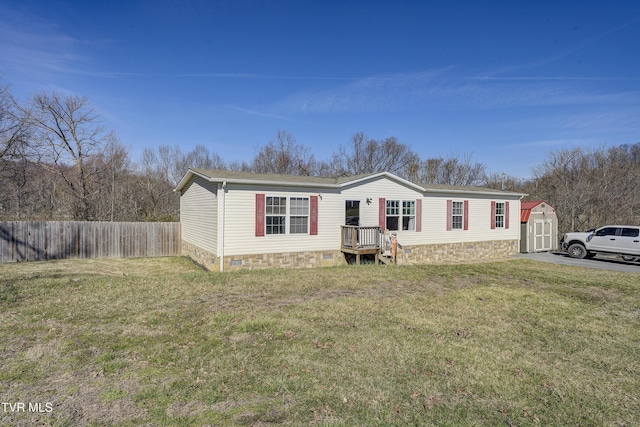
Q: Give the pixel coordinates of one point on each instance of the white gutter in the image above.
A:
(489, 192)
(277, 183)
(221, 222)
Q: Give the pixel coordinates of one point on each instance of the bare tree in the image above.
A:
(174, 163)
(198, 157)
(452, 170)
(68, 133)
(506, 182)
(239, 166)
(157, 199)
(366, 155)
(113, 172)
(14, 129)
(562, 181)
(283, 155)
(591, 188)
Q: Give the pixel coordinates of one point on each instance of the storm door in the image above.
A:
(352, 212)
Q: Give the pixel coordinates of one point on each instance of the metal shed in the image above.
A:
(538, 227)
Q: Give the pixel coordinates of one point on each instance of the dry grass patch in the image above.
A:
(159, 342)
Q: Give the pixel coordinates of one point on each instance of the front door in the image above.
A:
(352, 212)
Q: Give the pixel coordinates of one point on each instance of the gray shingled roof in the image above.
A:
(250, 177)
(225, 175)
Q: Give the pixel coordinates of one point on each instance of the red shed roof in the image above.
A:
(526, 207)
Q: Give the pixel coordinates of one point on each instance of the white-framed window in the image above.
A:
(457, 215)
(500, 212)
(409, 215)
(299, 215)
(275, 215)
(393, 214)
(400, 213)
(282, 214)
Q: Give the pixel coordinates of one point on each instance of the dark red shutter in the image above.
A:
(382, 213)
(506, 215)
(466, 214)
(419, 215)
(449, 215)
(493, 215)
(313, 215)
(260, 206)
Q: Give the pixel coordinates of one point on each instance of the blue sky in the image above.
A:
(507, 81)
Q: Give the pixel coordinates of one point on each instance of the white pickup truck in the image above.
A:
(623, 240)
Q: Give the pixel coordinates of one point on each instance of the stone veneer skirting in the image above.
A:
(202, 257)
(409, 254)
(457, 252)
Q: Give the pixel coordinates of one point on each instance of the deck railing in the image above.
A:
(360, 238)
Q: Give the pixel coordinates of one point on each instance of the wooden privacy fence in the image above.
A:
(42, 240)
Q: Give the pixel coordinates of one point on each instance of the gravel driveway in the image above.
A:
(602, 262)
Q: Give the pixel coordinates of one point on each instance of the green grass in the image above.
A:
(159, 342)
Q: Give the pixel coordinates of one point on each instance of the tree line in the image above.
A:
(57, 162)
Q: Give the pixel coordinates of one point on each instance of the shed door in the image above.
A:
(542, 235)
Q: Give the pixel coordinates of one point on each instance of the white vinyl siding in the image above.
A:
(389, 190)
(199, 214)
(434, 214)
(240, 235)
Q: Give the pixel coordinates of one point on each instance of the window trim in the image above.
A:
(396, 208)
(280, 215)
(499, 214)
(457, 213)
(309, 213)
(306, 215)
(495, 223)
(450, 215)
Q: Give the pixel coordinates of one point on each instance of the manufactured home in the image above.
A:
(238, 220)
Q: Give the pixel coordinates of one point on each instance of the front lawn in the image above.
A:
(159, 342)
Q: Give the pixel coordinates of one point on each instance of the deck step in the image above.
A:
(387, 260)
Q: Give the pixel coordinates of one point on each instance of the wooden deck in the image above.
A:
(359, 241)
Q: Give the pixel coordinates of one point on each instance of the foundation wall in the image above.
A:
(202, 257)
(307, 259)
(407, 255)
(457, 252)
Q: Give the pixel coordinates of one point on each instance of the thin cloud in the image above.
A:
(257, 113)
(38, 50)
(443, 89)
(547, 143)
(554, 78)
(259, 76)
(609, 121)
(567, 52)
(362, 94)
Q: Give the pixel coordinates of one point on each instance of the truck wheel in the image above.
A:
(577, 251)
